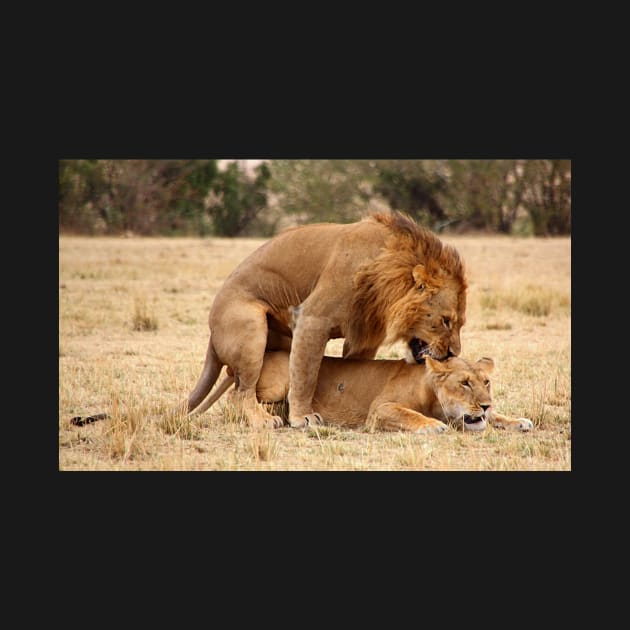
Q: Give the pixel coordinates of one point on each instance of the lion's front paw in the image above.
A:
(434, 427)
(524, 424)
(297, 422)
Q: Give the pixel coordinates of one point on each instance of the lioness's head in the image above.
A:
(463, 390)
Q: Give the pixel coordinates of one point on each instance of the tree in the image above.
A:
(547, 195)
(415, 187)
(484, 193)
(238, 200)
(193, 197)
(323, 190)
(193, 180)
(82, 184)
(144, 196)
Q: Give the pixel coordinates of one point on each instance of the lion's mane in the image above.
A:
(383, 304)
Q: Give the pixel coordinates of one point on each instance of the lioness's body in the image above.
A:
(393, 395)
(372, 282)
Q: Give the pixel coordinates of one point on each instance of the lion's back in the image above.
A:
(285, 270)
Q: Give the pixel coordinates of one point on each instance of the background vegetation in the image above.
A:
(259, 197)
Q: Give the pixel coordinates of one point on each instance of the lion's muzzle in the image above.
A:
(419, 349)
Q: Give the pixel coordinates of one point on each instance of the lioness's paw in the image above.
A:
(297, 422)
(438, 427)
(525, 424)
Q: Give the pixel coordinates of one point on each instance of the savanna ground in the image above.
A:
(133, 335)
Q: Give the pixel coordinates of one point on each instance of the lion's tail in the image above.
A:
(211, 369)
(220, 390)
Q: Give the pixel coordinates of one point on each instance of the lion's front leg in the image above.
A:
(394, 417)
(511, 424)
(309, 343)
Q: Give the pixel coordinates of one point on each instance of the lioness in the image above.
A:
(373, 282)
(392, 395)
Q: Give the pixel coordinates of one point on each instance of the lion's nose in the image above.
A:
(485, 407)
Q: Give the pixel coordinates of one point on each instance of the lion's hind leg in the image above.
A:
(240, 337)
(258, 417)
(394, 417)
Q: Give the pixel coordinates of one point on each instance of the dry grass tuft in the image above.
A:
(498, 326)
(181, 425)
(538, 406)
(415, 456)
(263, 446)
(142, 319)
(530, 300)
(124, 434)
(327, 431)
(230, 412)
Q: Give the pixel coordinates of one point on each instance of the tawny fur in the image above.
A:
(381, 286)
(376, 281)
(393, 395)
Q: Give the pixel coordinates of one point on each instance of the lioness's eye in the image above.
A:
(446, 321)
(486, 383)
(466, 383)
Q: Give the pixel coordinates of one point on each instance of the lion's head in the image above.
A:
(463, 390)
(414, 291)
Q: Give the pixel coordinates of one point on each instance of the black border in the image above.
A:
(442, 127)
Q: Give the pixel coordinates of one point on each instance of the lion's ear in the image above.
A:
(420, 277)
(435, 366)
(486, 364)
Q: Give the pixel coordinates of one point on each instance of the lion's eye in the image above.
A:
(486, 383)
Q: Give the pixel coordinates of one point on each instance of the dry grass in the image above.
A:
(142, 318)
(132, 340)
(530, 299)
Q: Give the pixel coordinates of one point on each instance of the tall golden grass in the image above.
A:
(133, 334)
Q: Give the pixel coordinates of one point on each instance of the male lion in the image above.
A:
(373, 282)
(392, 395)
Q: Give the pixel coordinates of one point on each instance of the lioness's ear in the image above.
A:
(486, 364)
(420, 277)
(438, 367)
